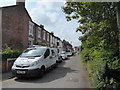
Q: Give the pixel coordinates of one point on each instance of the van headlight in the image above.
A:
(14, 64)
(34, 63)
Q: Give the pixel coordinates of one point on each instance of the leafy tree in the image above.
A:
(97, 22)
(118, 21)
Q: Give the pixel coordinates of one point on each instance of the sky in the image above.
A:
(50, 14)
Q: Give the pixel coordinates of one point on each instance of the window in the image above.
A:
(39, 32)
(39, 36)
(47, 36)
(31, 28)
(51, 39)
(47, 53)
(30, 43)
(53, 53)
(32, 52)
(44, 35)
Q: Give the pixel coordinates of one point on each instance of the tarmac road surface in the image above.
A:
(69, 74)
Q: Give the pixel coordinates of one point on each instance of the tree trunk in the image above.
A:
(118, 23)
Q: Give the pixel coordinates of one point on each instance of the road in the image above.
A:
(69, 74)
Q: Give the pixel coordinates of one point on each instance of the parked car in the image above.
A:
(69, 53)
(63, 55)
(73, 52)
(34, 62)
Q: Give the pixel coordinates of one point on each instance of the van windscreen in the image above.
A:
(33, 52)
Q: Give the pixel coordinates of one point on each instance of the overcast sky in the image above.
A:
(49, 13)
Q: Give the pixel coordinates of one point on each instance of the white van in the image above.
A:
(34, 62)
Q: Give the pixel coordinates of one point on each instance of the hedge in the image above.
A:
(9, 53)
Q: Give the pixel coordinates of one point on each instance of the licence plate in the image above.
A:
(21, 72)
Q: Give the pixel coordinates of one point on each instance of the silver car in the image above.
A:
(63, 55)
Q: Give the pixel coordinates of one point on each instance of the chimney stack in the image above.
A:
(20, 2)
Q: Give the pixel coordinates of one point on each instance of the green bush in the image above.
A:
(96, 60)
(99, 39)
(9, 53)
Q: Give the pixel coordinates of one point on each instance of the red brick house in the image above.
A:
(42, 36)
(16, 23)
(18, 29)
(20, 32)
(66, 45)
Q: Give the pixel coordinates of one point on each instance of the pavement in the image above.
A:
(7, 75)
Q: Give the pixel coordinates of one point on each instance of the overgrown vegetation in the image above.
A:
(99, 49)
(7, 52)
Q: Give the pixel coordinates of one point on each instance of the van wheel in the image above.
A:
(42, 71)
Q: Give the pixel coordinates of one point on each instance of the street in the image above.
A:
(69, 74)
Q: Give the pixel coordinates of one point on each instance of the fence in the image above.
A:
(6, 65)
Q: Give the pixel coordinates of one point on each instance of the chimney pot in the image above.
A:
(20, 2)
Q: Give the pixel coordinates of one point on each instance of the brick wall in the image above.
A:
(4, 64)
(7, 65)
(15, 23)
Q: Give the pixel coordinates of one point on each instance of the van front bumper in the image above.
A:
(26, 72)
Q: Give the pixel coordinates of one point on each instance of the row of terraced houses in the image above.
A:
(20, 32)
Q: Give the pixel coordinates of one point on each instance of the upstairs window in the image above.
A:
(39, 32)
(44, 34)
(47, 36)
(31, 28)
(51, 39)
